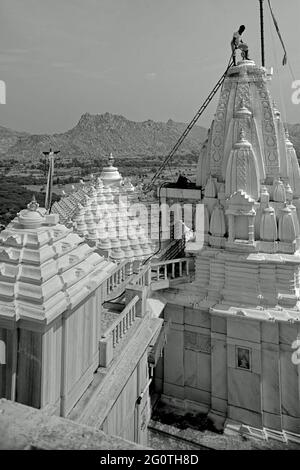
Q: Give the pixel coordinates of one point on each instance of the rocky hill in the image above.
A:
(8, 138)
(97, 135)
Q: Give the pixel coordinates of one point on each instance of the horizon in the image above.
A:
(142, 60)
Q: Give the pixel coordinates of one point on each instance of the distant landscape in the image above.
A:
(138, 148)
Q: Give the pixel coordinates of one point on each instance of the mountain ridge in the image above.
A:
(97, 135)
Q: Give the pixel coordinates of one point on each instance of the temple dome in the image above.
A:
(210, 188)
(279, 194)
(31, 217)
(217, 226)
(110, 174)
(268, 225)
(287, 231)
(242, 170)
(264, 195)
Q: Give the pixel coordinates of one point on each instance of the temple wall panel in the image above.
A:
(271, 396)
(128, 418)
(173, 358)
(80, 350)
(51, 364)
(238, 368)
(28, 387)
(219, 390)
(122, 415)
(8, 361)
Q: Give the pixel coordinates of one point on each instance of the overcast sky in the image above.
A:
(144, 59)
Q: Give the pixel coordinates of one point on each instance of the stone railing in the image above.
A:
(171, 269)
(142, 278)
(112, 336)
(115, 281)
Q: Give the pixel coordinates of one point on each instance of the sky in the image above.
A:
(144, 59)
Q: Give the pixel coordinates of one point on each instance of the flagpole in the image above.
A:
(49, 189)
(261, 4)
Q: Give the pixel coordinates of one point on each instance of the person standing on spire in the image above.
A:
(237, 43)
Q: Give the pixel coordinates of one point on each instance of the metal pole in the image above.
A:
(261, 2)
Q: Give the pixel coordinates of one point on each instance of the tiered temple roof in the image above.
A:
(249, 169)
(45, 267)
(107, 213)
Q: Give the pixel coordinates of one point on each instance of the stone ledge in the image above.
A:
(25, 428)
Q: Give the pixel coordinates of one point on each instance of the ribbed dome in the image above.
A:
(279, 194)
(268, 225)
(210, 188)
(286, 226)
(264, 195)
(217, 222)
(242, 170)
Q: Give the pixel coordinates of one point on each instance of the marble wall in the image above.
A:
(52, 364)
(234, 368)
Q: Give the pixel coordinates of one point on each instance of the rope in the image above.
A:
(284, 60)
(282, 103)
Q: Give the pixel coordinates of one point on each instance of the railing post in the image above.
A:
(149, 276)
(105, 351)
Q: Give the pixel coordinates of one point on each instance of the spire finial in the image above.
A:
(111, 159)
(33, 205)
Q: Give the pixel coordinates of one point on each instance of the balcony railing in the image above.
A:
(170, 269)
(113, 335)
(116, 280)
(142, 278)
